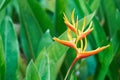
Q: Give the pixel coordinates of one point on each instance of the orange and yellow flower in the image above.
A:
(80, 36)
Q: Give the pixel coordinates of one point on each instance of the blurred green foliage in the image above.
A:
(27, 51)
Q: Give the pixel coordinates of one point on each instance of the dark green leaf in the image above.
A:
(30, 30)
(3, 3)
(59, 22)
(114, 66)
(78, 7)
(111, 16)
(10, 48)
(34, 22)
(41, 16)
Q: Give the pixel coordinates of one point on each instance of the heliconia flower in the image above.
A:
(81, 36)
(66, 43)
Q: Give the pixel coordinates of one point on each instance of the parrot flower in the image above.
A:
(80, 36)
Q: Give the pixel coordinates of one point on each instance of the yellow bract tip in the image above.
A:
(72, 17)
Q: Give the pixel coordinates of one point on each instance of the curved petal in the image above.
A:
(84, 34)
(66, 43)
(90, 53)
(69, 25)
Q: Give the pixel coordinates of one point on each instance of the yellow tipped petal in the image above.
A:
(66, 43)
(72, 17)
(69, 34)
(90, 25)
(81, 43)
(85, 44)
(84, 34)
(70, 26)
(89, 53)
(79, 32)
(65, 18)
(76, 24)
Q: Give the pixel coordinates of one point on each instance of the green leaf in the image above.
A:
(41, 16)
(32, 72)
(111, 16)
(34, 22)
(2, 15)
(48, 5)
(3, 3)
(117, 2)
(78, 7)
(113, 70)
(73, 77)
(30, 30)
(10, 48)
(2, 61)
(45, 41)
(88, 20)
(43, 65)
(60, 9)
(95, 5)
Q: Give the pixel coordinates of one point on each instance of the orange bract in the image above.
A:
(89, 53)
(66, 43)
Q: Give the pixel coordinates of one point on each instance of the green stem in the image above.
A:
(75, 60)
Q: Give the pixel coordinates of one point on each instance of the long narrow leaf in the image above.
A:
(2, 61)
(3, 3)
(43, 64)
(10, 48)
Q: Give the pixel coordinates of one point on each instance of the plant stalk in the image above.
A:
(75, 60)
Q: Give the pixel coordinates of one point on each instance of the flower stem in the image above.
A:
(75, 60)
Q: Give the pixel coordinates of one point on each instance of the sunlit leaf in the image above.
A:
(32, 72)
(2, 61)
(43, 64)
(45, 41)
(73, 77)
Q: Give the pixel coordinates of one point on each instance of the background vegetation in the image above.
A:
(27, 51)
